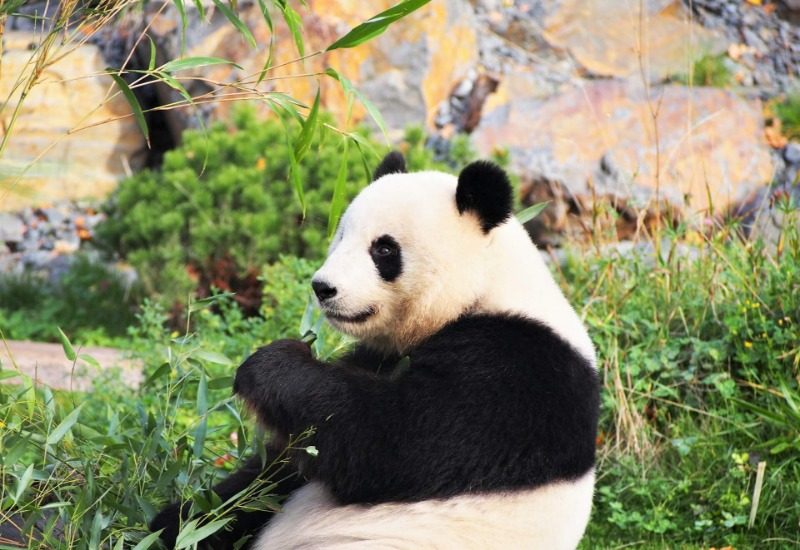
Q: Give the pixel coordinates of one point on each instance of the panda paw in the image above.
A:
(269, 365)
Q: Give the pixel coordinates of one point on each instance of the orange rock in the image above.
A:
(706, 149)
(612, 38)
(64, 163)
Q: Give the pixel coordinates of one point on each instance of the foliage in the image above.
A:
(223, 204)
(788, 111)
(225, 196)
(701, 366)
(90, 470)
(699, 357)
(91, 301)
(709, 70)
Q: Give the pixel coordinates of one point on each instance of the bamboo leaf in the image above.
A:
(349, 89)
(531, 212)
(338, 200)
(375, 26)
(303, 142)
(24, 481)
(152, 64)
(69, 351)
(138, 114)
(213, 357)
(195, 62)
(236, 22)
(61, 430)
(294, 23)
(191, 534)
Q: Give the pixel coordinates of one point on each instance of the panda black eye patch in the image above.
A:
(385, 253)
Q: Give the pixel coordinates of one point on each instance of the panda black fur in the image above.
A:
(485, 438)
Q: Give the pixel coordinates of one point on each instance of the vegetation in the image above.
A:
(90, 301)
(223, 204)
(788, 111)
(699, 355)
(709, 70)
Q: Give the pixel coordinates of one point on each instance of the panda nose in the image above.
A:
(323, 290)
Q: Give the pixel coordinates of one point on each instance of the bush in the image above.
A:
(788, 111)
(222, 205)
(701, 366)
(91, 302)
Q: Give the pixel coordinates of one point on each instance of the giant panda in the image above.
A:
(466, 415)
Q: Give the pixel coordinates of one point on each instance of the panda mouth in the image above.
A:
(357, 318)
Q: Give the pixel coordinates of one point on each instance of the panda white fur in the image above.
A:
(485, 438)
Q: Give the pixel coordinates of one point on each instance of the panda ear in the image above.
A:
(393, 163)
(484, 188)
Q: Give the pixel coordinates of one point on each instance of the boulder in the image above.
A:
(706, 151)
(612, 38)
(73, 137)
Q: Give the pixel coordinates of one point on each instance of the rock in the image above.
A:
(599, 139)
(60, 113)
(12, 229)
(791, 153)
(406, 72)
(604, 36)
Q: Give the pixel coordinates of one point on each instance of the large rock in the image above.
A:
(406, 72)
(72, 136)
(599, 139)
(612, 38)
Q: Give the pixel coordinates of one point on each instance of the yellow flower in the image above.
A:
(2, 424)
(748, 345)
(261, 163)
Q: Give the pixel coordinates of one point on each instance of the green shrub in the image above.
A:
(90, 302)
(709, 70)
(224, 196)
(222, 204)
(699, 354)
(788, 111)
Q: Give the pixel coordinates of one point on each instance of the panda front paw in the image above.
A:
(268, 367)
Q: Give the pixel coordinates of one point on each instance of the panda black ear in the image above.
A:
(393, 163)
(484, 188)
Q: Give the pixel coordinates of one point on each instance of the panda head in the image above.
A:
(411, 252)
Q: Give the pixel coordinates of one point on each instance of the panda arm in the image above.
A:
(353, 413)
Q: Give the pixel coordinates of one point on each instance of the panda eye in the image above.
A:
(384, 250)
(384, 247)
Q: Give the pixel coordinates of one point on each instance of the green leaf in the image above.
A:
(190, 534)
(339, 198)
(221, 383)
(24, 481)
(138, 114)
(89, 360)
(195, 62)
(202, 395)
(213, 357)
(200, 437)
(349, 89)
(293, 21)
(182, 13)
(61, 430)
(375, 26)
(303, 142)
(297, 183)
(148, 541)
(531, 212)
(152, 64)
(236, 22)
(69, 351)
(201, 9)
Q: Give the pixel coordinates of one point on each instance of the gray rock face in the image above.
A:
(11, 228)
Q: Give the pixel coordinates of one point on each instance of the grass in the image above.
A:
(700, 357)
(788, 111)
(709, 70)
